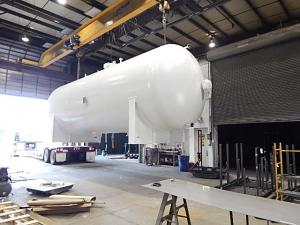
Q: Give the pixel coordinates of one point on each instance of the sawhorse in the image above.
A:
(173, 211)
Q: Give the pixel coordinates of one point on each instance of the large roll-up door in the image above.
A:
(258, 86)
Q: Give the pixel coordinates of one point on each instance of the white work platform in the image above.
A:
(268, 209)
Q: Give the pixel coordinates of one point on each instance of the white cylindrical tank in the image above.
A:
(166, 83)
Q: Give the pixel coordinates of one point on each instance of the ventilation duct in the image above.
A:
(257, 42)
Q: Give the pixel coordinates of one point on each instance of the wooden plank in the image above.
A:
(5, 203)
(272, 210)
(55, 202)
(30, 222)
(9, 207)
(31, 217)
(42, 220)
(14, 218)
(12, 212)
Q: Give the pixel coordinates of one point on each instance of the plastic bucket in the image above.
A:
(183, 162)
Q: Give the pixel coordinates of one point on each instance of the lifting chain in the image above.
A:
(164, 7)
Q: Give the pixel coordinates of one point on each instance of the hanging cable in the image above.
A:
(164, 22)
(164, 7)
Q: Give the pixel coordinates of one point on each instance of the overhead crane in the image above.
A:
(118, 13)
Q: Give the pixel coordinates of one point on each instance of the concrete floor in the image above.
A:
(118, 183)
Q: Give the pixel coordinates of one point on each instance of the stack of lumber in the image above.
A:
(11, 213)
(61, 204)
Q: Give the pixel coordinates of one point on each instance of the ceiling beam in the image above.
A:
(110, 46)
(159, 35)
(121, 44)
(67, 6)
(195, 7)
(103, 7)
(96, 4)
(224, 12)
(96, 58)
(213, 25)
(133, 47)
(186, 35)
(143, 40)
(15, 36)
(30, 32)
(148, 31)
(14, 13)
(285, 10)
(27, 7)
(233, 19)
(242, 36)
(108, 56)
(194, 22)
(257, 13)
(24, 68)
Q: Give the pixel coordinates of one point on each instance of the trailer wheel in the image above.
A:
(46, 156)
(53, 157)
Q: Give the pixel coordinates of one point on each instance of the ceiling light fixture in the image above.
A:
(212, 43)
(25, 38)
(62, 2)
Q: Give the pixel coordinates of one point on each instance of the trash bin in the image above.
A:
(183, 162)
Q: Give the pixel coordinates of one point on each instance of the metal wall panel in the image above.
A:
(258, 86)
(14, 82)
(26, 84)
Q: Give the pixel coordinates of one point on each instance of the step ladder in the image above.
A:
(172, 216)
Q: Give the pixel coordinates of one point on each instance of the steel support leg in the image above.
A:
(170, 215)
(187, 212)
(227, 163)
(231, 218)
(174, 209)
(247, 220)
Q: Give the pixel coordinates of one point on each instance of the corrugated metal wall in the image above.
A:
(14, 82)
(258, 86)
(27, 85)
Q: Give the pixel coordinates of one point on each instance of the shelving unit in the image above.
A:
(168, 157)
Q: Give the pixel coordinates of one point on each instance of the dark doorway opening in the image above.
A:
(116, 143)
(262, 135)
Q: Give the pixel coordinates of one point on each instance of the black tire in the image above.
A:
(46, 156)
(53, 157)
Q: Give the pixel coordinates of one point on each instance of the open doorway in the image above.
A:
(23, 120)
(262, 135)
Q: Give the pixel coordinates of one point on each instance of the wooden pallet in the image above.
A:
(11, 213)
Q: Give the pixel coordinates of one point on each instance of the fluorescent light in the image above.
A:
(212, 43)
(62, 2)
(25, 38)
(110, 22)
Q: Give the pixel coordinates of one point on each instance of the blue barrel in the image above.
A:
(183, 162)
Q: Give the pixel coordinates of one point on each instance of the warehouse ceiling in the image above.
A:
(190, 22)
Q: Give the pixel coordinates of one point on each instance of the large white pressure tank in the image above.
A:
(165, 85)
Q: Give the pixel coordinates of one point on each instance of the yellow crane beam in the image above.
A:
(115, 15)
